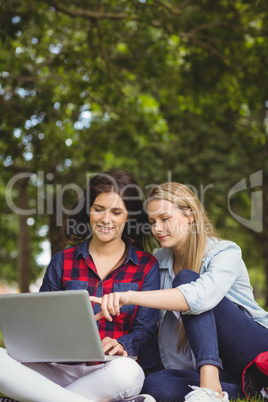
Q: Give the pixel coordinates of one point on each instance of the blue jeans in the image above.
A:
(225, 337)
(172, 385)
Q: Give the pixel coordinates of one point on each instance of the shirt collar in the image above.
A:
(165, 256)
(165, 260)
(132, 254)
(82, 249)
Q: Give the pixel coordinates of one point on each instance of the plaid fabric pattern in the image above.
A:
(73, 268)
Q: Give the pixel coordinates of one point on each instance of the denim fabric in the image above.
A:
(223, 273)
(239, 338)
(168, 336)
(224, 334)
(172, 385)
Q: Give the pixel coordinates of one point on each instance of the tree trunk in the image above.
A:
(55, 233)
(266, 274)
(265, 239)
(24, 254)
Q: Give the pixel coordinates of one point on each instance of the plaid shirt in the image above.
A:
(74, 268)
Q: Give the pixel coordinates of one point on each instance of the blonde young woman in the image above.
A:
(210, 325)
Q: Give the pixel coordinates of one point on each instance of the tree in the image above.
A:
(153, 86)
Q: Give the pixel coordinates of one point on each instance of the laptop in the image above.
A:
(51, 327)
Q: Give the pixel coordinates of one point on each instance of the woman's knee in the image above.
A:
(6, 361)
(3, 355)
(3, 352)
(126, 371)
(151, 383)
(185, 276)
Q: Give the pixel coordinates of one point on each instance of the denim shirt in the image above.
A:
(171, 358)
(223, 273)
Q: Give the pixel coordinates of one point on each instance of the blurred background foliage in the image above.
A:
(169, 90)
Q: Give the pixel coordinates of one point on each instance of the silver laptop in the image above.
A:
(50, 327)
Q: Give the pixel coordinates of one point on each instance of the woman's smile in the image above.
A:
(108, 216)
(169, 225)
(105, 229)
(162, 237)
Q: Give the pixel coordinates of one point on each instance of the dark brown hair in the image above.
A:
(77, 227)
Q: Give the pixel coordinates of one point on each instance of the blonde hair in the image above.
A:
(194, 245)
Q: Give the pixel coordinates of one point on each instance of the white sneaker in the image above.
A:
(140, 398)
(264, 393)
(205, 395)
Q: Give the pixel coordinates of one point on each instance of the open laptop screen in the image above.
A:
(50, 327)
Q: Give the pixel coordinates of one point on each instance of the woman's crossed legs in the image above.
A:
(42, 382)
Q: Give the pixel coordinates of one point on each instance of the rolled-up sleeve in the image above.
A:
(209, 289)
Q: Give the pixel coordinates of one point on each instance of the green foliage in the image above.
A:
(1, 341)
(246, 400)
(165, 90)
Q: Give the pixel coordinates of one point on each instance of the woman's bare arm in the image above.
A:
(166, 299)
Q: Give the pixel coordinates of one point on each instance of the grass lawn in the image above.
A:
(243, 400)
(1, 341)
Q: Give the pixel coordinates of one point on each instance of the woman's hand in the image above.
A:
(111, 347)
(111, 304)
(165, 299)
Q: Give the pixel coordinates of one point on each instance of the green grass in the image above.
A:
(1, 341)
(244, 400)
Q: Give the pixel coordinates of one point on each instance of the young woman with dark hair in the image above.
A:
(107, 230)
(120, 182)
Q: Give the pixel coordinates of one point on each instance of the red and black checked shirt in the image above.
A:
(74, 268)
